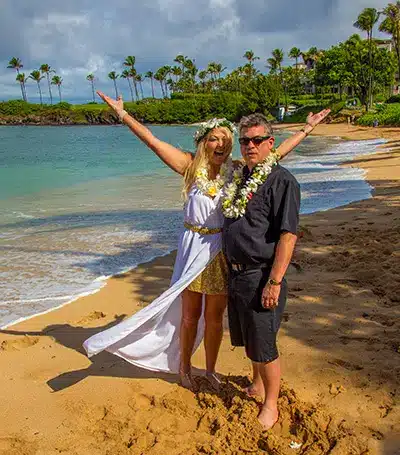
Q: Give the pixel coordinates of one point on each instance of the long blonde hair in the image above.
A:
(201, 159)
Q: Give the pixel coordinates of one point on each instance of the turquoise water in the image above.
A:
(78, 204)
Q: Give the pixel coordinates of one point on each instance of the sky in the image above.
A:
(78, 37)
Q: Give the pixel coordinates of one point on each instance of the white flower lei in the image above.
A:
(233, 204)
(212, 187)
(205, 127)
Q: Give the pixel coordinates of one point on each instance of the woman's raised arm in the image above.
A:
(176, 159)
(312, 121)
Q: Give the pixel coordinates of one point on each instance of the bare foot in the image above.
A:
(268, 417)
(187, 381)
(253, 391)
(214, 381)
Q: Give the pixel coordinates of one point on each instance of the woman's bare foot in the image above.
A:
(253, 391)
(268, 417)
(187, 381)
(214, 381)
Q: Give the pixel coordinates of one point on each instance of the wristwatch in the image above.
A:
(274, 282)
(304, 129)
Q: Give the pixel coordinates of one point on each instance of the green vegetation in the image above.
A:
(358, 68)
(386, 115)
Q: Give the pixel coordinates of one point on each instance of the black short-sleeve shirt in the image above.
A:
(273, 209)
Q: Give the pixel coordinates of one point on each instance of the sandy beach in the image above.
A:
(339, 343)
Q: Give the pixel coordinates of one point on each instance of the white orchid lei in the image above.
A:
(205, 127)
(212, 187)
(233, 204)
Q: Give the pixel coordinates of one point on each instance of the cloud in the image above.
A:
(81, 37)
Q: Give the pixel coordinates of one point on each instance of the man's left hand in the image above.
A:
(270, 296)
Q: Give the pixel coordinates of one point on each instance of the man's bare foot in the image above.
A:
(268, 417)
(253, 391)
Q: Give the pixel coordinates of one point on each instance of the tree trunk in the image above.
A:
(136, 90)
(48, 83)
(40, 93)
(152, 87)
(26, 96)
(22, 90)
(93, 92)
(141, 89)
(130, 88)
(59, 92)
(116, 89)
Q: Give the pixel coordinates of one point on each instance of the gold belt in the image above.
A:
(202, 230)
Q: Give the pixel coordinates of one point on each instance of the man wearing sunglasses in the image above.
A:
(259, 246)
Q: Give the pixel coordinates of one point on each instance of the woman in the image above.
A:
(163, 335)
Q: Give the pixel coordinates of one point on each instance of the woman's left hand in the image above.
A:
(314, 119)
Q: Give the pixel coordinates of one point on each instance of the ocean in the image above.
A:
(79, 204)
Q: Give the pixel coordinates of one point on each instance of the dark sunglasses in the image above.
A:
(256, 140)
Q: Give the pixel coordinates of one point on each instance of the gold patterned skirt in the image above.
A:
(213, 279)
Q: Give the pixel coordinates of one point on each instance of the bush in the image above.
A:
(387, 115)
(63, 105)
(393, 99)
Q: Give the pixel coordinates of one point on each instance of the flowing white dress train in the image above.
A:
(150, 338)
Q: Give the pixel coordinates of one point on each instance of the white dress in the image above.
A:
(150, 338)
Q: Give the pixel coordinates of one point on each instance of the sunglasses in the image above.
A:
(256, 140)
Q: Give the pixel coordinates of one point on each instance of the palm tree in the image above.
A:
(22, 79)
(219, 69)
(139, 79)
(150, 75)
(126, 74)
(203, 76)
(177, 72)
(295, 53)
(160, 77)
(36, 76)
(391, 25)
(46, 69)
(90, 77)
(275, 64)
(114, 76)
(130, 61)
(15, 63)
(249, 55)
(365, 22)
(181, 60)
(56, 80)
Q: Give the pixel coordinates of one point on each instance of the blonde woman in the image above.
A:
(163, 335)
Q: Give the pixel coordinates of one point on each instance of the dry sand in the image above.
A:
(340, 348)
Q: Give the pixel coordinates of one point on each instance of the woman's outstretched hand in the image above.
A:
(314, 119)
(117, 105)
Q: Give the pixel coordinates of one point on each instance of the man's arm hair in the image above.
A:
(283, 255)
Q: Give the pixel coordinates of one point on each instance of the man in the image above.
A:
(259, 246)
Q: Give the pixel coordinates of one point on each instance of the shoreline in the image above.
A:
(338, 341)
(102, 280)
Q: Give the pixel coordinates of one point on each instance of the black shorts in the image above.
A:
(250, 324)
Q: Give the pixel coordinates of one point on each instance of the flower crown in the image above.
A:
(205, 127)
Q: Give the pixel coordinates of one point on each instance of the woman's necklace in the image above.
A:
(212, 187)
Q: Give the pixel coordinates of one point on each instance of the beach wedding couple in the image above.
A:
(240, 230)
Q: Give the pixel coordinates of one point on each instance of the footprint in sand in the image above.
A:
(349, 366)
(93, 316)
(20, 343)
